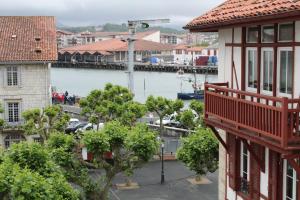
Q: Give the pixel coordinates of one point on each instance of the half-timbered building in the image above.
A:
(254, 109)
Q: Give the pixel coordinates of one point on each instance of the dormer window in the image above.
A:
(38, 50)
(13, 37)
(37, 39)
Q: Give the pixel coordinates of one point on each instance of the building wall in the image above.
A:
(154, 37)
(33, 90)
(224, 75)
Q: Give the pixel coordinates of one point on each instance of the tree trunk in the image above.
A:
(105, 190)
(161, 126)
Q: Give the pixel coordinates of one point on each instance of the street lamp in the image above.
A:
(162, 178)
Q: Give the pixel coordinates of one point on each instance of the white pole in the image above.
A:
(131, 63)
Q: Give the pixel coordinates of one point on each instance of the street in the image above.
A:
(176, 186)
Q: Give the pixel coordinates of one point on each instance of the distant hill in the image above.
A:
(108, 27)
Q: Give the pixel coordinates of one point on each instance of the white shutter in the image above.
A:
(20, 76)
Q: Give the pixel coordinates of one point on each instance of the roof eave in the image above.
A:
(214, 27)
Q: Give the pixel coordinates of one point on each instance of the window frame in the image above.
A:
(262, 33)
(280, 49)
(247, 35)
(293, 31)
(14, 116)
(243, 147)
(268, 92)
(12, 72)
(294, 178)
(251, 89)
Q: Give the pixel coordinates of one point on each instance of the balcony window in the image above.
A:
(267, 34)
(244, 169)
(252, 34)
(12, 76)
(13, 112)
(285, 71)
(286, 32)
(252, 68)
(289, 182)
(267, 67)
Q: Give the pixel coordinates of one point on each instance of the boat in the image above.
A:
(198, 93)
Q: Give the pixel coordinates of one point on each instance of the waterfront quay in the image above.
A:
(212, 70)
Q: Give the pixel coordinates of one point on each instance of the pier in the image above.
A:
(173, 68)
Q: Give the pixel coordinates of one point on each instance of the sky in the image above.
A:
(97, 12)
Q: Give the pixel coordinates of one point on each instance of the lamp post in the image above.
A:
(162, 179)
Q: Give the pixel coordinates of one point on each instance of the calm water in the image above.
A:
(82, 81)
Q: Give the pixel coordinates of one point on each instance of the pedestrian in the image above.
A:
(151, 117)
(66, 97)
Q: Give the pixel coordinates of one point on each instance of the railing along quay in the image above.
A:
(275, 118)
(213, 70)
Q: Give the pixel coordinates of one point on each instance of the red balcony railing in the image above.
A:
(273, 118)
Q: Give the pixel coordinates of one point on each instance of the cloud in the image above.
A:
(94, 12)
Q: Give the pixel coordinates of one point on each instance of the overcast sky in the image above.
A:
(95, 12)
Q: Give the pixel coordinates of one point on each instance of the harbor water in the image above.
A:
(81, 81)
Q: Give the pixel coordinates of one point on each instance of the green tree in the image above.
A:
(113, 103)
(199, 152)
(27, 172)
(163, 107)
(46, 121)
(198, 107)
(187, 119)
(131, 147)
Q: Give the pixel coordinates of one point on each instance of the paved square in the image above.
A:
(176, 185)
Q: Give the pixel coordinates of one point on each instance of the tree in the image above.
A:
(163, 107)
(199, 152)
(46, 121)
(27, 172)
(113, 103)
(198, 107)
(130, 147)
(187, 119)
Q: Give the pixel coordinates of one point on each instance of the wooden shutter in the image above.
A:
(274, 177)
(255, 173)
(234, 157)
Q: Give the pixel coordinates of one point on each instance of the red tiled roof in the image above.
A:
(27, 38)
(243, 11)
(117, 45)
(188, 48)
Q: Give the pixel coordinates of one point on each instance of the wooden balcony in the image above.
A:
(266, 120)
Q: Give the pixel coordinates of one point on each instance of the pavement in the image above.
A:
(176, 186)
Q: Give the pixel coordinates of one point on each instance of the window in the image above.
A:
(285, 71)
(267, 34)
(13, 138)
(244, 169)
(289, 182)
(12, 76)
(252, 34)
(286, 32)
(178, 51)
(38, 140)
(267, 67)
(252, 68)
(13, 112)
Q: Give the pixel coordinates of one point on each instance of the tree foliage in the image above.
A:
(130, 146)
(163, 107)
(199, 152)
(113, 103)
(44, 122)
(27, 172)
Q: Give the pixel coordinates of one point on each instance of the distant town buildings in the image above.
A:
(28, 47)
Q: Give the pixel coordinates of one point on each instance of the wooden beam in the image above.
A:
(253, 154)
(219, 137)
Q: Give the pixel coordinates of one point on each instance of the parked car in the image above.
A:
(72, 128)
(90, 126)
(171, 120)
